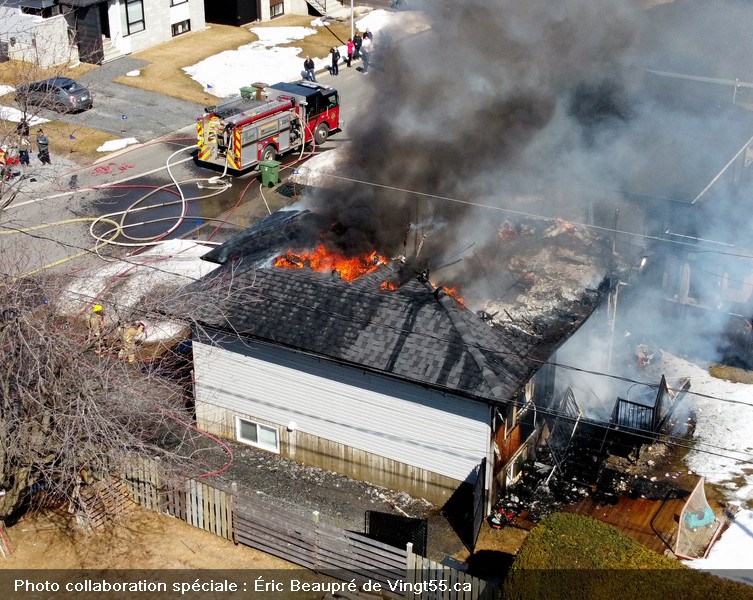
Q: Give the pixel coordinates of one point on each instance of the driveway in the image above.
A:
(126, 111)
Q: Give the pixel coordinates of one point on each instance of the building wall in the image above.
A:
(36, 40)
(326, 454)
(337, 417)
(157, 23)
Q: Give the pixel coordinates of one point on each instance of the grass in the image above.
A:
(572, 556)
(733, 374)
(165, 74)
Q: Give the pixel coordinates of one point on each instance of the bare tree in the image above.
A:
(69, 415)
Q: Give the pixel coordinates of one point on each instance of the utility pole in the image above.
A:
(352, 25)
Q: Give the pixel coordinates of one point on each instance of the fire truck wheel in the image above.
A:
(268, 153)
(321, 134)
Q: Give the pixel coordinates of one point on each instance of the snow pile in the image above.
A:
(264, 61)
(124, 288)
(119, 144)
(723, 436)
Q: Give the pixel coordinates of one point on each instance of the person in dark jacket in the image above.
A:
(335, 70)
(22, 129)
(357, 42)
(43, 145)
(308, 69)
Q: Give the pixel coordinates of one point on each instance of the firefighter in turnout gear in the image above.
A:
(96, 322)
(131, 335)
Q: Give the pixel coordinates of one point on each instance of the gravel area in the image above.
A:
(340, 500)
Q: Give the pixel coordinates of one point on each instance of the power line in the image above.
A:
(534, 216)
(551, 413)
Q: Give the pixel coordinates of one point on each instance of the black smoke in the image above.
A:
(484, 107)
(549, 109)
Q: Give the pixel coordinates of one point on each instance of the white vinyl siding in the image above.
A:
(441, 433)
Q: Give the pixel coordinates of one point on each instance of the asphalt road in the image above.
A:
(67, 196)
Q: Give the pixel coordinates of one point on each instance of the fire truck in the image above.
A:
(265, 122)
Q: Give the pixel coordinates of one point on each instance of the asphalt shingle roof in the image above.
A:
(415, 332)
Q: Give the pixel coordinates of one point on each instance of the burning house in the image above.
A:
(374, 366)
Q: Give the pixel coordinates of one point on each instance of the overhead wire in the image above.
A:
(118, 228)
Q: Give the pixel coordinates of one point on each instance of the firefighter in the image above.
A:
(96, 323)
(131, 336)
(4, 169)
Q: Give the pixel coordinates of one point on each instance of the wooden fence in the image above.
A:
(430, 580)
(298, 536)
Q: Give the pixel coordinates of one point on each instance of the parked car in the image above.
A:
(59, 93)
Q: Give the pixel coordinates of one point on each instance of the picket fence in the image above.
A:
(297, 535)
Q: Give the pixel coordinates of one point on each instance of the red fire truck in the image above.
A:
(265, 122)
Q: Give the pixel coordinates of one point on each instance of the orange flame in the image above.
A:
(388, 286)
(569, 227)
(453, 291)
(321, 259)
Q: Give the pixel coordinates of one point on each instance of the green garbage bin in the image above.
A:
(270, 172)
(247, 93)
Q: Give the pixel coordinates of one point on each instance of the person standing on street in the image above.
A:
(366, 54)
(308, 69)
(335, 70)
(24, 148)
(357, 41)
(22, 129)
(349, 46)
(43, 145)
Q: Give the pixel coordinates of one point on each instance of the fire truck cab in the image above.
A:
(239, 133)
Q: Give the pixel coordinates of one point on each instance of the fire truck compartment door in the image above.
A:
(249, 135)
(283, 141)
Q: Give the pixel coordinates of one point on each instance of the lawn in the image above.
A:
(570, 556)
(165, 74)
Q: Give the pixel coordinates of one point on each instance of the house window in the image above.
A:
(275, 10)
(182, 27)
(256, 434)
(132, 16)
(176, 2)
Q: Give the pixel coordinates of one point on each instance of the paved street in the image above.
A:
(48, 222)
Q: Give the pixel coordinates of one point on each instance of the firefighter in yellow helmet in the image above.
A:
(131, 335)
(96, 323)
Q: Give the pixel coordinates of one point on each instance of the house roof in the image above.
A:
(415, 332)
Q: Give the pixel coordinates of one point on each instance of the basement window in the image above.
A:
(182, 27)
(256, 434)
(276, 10)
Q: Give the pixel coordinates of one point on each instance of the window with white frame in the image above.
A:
(276, 10)
(132, 16)
(256, 434)
(182, 27)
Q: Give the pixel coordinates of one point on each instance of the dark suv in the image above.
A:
(59, 93)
